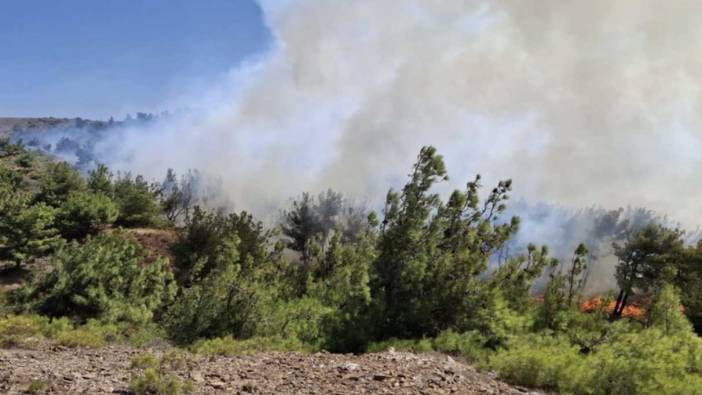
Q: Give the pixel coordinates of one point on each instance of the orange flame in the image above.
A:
(630, 311)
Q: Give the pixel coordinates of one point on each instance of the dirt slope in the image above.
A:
(107, 371)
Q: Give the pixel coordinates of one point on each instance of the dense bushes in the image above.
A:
(28, 331)
(108, 278)
(84, 213)
(26, 231)
(633, 362)
(137, 202)
(43, 204)
(418, 279)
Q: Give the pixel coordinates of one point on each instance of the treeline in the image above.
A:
(340, 278)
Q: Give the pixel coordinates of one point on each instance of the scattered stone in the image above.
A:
(108, 371)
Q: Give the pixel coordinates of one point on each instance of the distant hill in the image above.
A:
(10, 126)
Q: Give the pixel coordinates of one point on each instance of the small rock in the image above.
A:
(197, 376)
(349, 367)
(217, 384)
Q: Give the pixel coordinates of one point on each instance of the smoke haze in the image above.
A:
(581, 103)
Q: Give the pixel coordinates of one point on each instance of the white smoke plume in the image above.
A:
(581, 103)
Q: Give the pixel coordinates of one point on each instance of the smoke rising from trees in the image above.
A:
(582, 104)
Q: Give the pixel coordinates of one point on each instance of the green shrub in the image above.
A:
(29, 330)
(5, 305)
(470, 345)
(11, 179)
(301, 319)
(200, 243)
(84, 213)
(37, 386)
(21, 331)
(408, 345)
(137, 201)
(176, 359)
(25, 160)
(59, 181)
(145, 360)
(27, 231)
(647, 362)
(81, 337)
(109, 278)
(228, 346)
(154, 375)
(154, 382)
(538, 361)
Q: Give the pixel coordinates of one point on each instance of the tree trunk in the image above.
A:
(620, 297)
(621, 308)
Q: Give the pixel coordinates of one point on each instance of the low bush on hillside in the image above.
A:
(107, 278)
(154, 375)
(229, 346)
(418, 278)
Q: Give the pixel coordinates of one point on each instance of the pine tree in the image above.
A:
(643, 259)
(666, 312)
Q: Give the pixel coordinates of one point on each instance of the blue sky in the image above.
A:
(96, 58)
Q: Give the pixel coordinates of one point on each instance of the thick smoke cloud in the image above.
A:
(581, 103)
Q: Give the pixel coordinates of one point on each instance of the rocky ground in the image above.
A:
(59, 370)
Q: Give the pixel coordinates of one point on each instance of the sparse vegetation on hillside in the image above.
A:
(417, 278)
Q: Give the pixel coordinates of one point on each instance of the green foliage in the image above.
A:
(303, 319)
(154, 374)
(471, 345)
(629, 362)
(202, 239)
(666, 314)
(108, 277)
(516, 277)
(155, 382)
(562, 293)
(318, 218)
(689, 282)
(646, 259)
(100, 180)
(538, 361)
(230, 278)
(20, 331)
(37, 386)
(84, 213)
(417, 281)
(647, 362)
(219, 305)
(11, 180)
(5, 307)
(27, 231)
(145, 360)
(137, 201)
(59, 181)
(26, 160)
(28, 331)
(10, 149)
(229, 346)
(431, 253)
(340, 278)
(552, 313)
(406, 345)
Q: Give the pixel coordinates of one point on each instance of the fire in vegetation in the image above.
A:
(634, 310)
